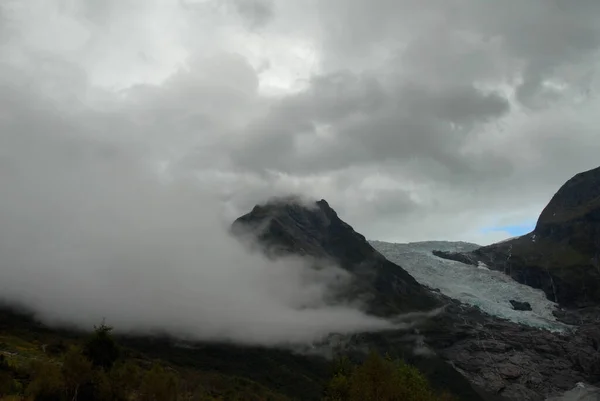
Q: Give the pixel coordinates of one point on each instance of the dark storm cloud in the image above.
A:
(367, 121)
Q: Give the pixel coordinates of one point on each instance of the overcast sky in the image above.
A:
(132, 132)
(441, 119)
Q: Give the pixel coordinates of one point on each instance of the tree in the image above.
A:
(101, 349)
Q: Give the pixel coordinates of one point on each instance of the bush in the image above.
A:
(379, 379)
(47, 383)
(122, 380)
(76, 370)
(159, 385)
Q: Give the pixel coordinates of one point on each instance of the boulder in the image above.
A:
(521, 306)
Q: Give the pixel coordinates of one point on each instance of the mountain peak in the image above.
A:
(292, 225)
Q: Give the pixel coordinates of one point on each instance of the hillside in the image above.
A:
(204, 371)
(38, 363)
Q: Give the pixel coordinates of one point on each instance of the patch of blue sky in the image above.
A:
(513, 230)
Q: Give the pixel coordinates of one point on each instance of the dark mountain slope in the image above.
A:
(233, 372)
(562, 254)
(286, 226)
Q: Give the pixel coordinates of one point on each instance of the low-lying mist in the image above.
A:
(90, 230)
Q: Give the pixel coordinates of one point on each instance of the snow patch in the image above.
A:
(481, 265)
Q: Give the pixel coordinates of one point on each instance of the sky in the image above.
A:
(416, 121)
(513, 230)
(128, 127)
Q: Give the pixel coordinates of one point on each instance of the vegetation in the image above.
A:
(40, 366)
(102, 350)
(379, 379)
(37, 364)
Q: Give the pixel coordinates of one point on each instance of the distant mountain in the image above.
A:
(561, 255)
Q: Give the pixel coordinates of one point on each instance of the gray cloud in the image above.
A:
(414, 123)
(367, 121)
(89, 231)
(256, 12)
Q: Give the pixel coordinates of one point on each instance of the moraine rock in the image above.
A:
(522, 306)
(457, 257)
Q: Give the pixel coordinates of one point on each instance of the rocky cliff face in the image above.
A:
(562, 254)
(477, 356)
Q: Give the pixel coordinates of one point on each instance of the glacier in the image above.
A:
(478, 286)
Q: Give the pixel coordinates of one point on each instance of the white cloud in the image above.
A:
(88, 230)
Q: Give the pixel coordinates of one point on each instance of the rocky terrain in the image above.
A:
(561, 256)
(498, 358)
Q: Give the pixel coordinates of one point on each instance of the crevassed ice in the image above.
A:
(474, 285)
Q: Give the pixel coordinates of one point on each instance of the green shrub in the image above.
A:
(47, 383)
(76, 370)
(379, 379)
(159, 385)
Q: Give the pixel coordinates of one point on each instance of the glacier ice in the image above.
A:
(479, 286)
